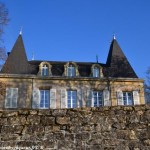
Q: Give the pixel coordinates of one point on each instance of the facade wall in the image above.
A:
(27, 85)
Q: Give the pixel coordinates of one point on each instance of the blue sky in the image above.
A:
(78, 30)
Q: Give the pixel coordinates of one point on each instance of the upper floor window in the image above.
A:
(127, 98)
(71, 69)
(11, 97)
(96, 72)
(44, 99)
(71, 72)
(97, 97)
(45, 71)
(72, 98)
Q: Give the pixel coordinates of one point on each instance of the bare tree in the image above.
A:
(3, 22)
(147, 86)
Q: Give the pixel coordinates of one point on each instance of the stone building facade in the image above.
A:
(56, 84)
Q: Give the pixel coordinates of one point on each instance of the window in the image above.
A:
(97, 98)
(127, 98)
(11, 97)
(44, 98)
(95, 72)
(45, 71)
(72, 99)
(71, 71)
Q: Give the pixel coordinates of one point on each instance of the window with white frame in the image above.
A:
(96, 72)
(45, 70)
(72, 98)
(127, 98)
(71, 72)
(97, 97)
(44, 99)
(11, 97)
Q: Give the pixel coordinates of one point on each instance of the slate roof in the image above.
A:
(17, 62)
(117, 64)
(57, 69)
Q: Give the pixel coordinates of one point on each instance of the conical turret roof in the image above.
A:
(16, 62)
(117, 62)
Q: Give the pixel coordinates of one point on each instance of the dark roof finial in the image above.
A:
(96, 58)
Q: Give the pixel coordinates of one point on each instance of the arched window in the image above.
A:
(71, 69)
(96, 72)
(45, 70)
(71, 72)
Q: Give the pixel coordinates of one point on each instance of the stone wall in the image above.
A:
(107, 128)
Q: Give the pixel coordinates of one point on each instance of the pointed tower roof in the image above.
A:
(16, 62)
(117, 62)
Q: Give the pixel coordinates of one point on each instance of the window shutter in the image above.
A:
(63, 98)
(79, 98)
(106, 96)
(53, 98)
(8, 98)
(14, 97)
(89, 98)
(136, 98)
(36, 98)
(120, 98)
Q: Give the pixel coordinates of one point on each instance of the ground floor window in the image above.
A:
(44, 98)
(127, 98)
(11, 97)
(97, 98)
(72, 98)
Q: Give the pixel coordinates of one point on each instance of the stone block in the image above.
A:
(122, 134)
(3, 121)
(23, 112)
(30, 129)
(10, 137)
(45, 112)
(9, 113)
(63, 120)
(11, 129)
(19, 120)
(147, 142)
(59, 136)
(33, 112)
(47, 120)
(59, 112)
(33, 119)
(50, 144)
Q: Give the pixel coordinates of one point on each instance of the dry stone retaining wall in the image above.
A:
(107, 128)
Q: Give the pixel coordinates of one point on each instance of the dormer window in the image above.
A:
(96, 72)
(45, 71)
(71, 71)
